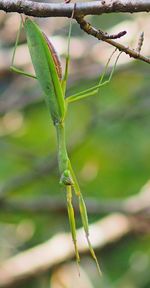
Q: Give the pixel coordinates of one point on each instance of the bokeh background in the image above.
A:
(108, 137)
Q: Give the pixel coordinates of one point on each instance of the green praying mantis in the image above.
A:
(48, 73)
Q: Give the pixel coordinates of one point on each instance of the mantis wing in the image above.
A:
(45, 70)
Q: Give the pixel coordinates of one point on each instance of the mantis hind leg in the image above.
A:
(84, 217)
(83, 213)
(72, 220)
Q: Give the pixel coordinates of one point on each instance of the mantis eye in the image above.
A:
(55, 56)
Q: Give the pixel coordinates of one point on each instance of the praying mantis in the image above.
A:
(48, 73)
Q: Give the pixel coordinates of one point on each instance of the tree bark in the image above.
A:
(42, 9)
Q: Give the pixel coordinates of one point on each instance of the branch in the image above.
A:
(89, 29)
(58, 249)
(32, 8)
(78, 11)
(54, 204)
(138, 204)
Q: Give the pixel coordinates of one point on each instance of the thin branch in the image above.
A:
(89, 29)
(140, 42)
(58, 249)
(133, 205)
(32, 8)
(56, 205)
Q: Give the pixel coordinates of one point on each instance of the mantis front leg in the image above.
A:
(72, 220)
(84, 215)
(69, 179)
(66, 179)
(12, 67)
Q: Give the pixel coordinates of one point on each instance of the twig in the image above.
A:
(89, 29)
(140, 42)
(133, 205)
(32, 8)
(112, 36)
(57, 205)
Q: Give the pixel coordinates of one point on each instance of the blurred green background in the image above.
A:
(108, 137)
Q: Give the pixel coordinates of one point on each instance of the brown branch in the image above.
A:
(56, 205)
(78, 11)
(58, 249)
(89, 29)
(140, 42)
(113, 36)
(133, 205)
(32, 8)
